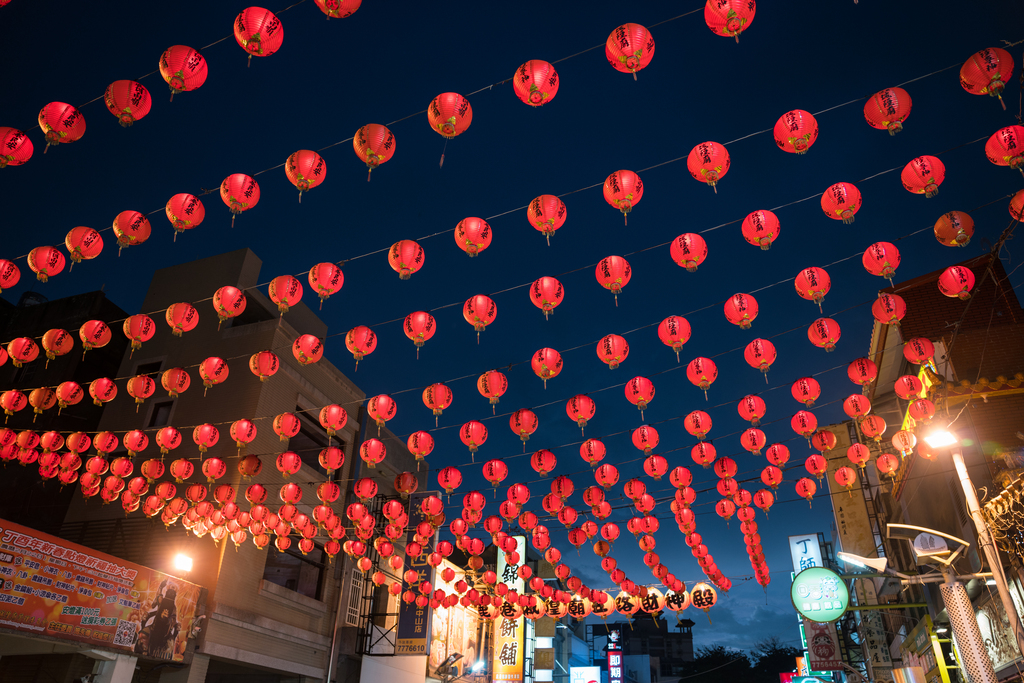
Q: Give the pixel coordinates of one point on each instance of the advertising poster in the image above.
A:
(823, 653)
(453, 630)
(509, 634)
(413, 620)
(53, 588)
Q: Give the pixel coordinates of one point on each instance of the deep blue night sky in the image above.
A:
(385, 64)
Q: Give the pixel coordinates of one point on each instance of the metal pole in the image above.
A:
(988, 546)
(974, 660)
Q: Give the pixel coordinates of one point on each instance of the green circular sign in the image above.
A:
(819, 594)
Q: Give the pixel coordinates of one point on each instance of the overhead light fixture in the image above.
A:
(942, 629)
(990, 582)
(878, 564)
(478, 666)
(182, 562)
(941, 438)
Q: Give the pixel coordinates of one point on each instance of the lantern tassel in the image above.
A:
(715, 188)
(1000, 102)
(300, 196)
(232, 220)
(369, 174)
(478, 338)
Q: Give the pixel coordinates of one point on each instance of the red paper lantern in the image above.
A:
(889, 309)
(824, 440)
(856, 406)
(259, 32)
(131, 228)
(824, 333)
(326, 279)
(419, 327)
(547, 214)
(57, 342)
(68, 394)
(593, 451)
(761, 228)
(473, 434)
(796, 131)
(479, 311)
(45, 262)
(228, 302)
(381, 408)
(175, 381)
(741, 310)
(858, 454)
(307, 349)
(873, 427)
(264, 364)
(804, 423)
(752, 409)
(760, 354)
(862, 371)
(205, 436)
(543, 461)
(361, 342)
(15, 147)
(213, 370)
(923, 175)
(753, 440)
(888, 109)
(102, 390)
(606, 476)
(285, 291)
(9, 272)
(580, 408)
(83, 243)
(473, 235)
(629, 48)
(331, 459)
(140, 388)
(492, 385)
(288, 463)
(305, 169)
(708, 162)
(523, 422)
(841, 201)
(450, 114)
(437, 397)
(904, 442)
(239, 193)
(887, 463)
(535, 82)
(813, 284)
(339, 9)
(546, 293)
(406, 257)
(61, 123)
(688, 251)
(546, 364)
(702, 372)
(449, 478)
(182, 68)
(1006, 147)
(613, 273)
(919, 350)
(646, 438)
(771, 476)
(882, 259)
(729, 18)
(184, 211)
(182, 317)
(1016, 209)
(612, 350)
(623, 190)
(956, 282)
(129, 101)
(987, 72)
(640, 392)
(698, 424)
(806, 488)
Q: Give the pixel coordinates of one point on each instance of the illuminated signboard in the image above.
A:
(819, 594)
(413, 620)
(614, 654)
(510, 634)
(50, 587)
(453, 629)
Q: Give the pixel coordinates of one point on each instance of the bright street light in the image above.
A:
(941, 439)
(876, 563)
(478, 666)
(182, 562)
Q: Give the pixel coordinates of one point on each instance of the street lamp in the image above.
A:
(183, 563)
(876, 563)
(945, 439)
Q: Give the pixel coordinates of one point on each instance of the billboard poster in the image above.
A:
(510, 634)
(53, 588)
(413, 620)
(584, 674)
(823, 653)
(453, 630)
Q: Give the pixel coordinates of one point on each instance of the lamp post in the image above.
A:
(946, 439)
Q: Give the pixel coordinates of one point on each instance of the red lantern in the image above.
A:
(816, 465)
(646, 438)
(741, 310)
(858, 454)
(437, 397)
(606, 476)
(919, 350)
(473, 434)
(535, 82)
(41, 399)
(45, 262)
(68, 394)
(543, 461)
(340, 9)
(760, 354)
(804, 423)
(674, 331)
(580, 408)
(698, 424)
(761, 228)
(764, 500)
(708, 162)
(841, 201)
(689, 251)
(131, 228)
(955, 282)
(326, 279)
(102, 390)
(129, 101)
(922, 410)
(524, 423)
(140, 388)
(419, 327)
(307, 349)
(856, 406)
(593, 451)
(239, 193)
(259, 32)
(640, 392)
(175, 381)
(882, 259)
(771, 476)
(406, 257)
(381, 408)
(182, 317)
(264, 364)
(229, 302)
(613, 273)
(923, 175)
(473, 235)
(904, 442)
(206, 436)
(242, 432)
(83, 244)
(182, 68)
(888, 109)
(479, 311)
(546, 293)
(796, 131)
(61, 123)
(1006, 147)
(813, 284)
(752, 409)
(361, 342)
(185, 212)
(629, 48)
(547, 214)
(824, 333)
(492, 385)
(702, 372)
(753, 440)
(1016, 211)
(285, 291)
(612, 350)
(213, 370)
(623, 190)
(887, 463)
(986, 73)
(449, 478)
(449, 114)
(286, 425)
(873, 427)
(655, 466)
(305, 169)
(57, 342)
(806, 488)
(546, 364)
(15, 148)
(862, 371)
(729, 18)
(889, 309)
(825, 440)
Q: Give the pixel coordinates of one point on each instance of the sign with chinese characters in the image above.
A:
(820, 595)
(615, 664)
(453, 630)
(872, 631)
(823, 653)
(509, 634)
(53, 588)
(584, 674)
(806, 552)
(413, 620)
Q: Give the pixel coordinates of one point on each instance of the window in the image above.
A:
(353, 610)
(151, 369)
(160, 414)
(295, 571)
